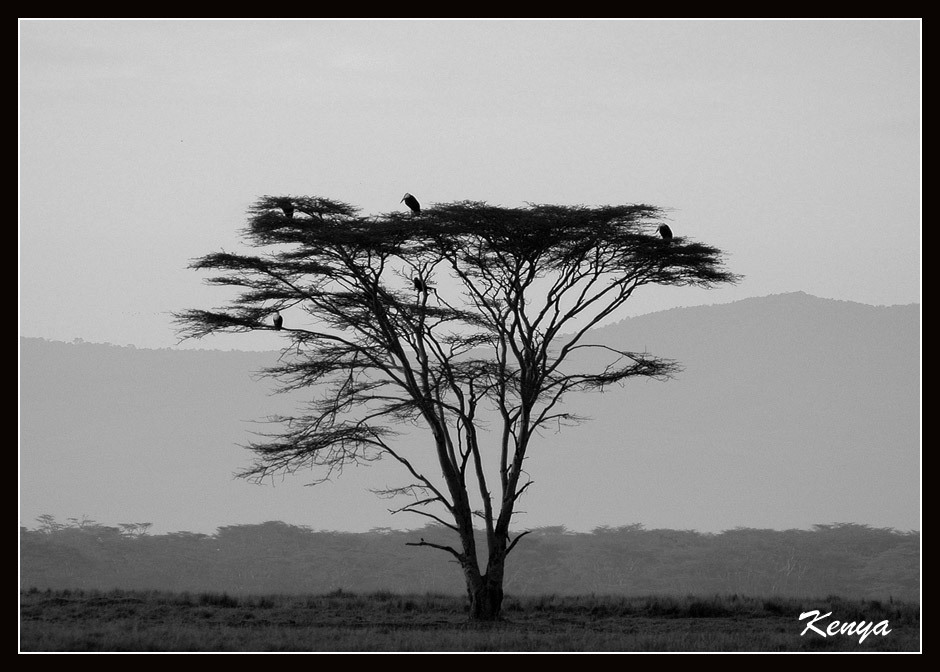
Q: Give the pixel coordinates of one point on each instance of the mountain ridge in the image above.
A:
(798, 293)
(788, 411)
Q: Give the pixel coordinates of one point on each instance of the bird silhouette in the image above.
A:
(412, 203)
(419, 285)
(286, 206)
(278, 321)
(665, 232)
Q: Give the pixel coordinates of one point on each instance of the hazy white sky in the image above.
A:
(793, 145)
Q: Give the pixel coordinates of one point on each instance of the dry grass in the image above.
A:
(341, 621)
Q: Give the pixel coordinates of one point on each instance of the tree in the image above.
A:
(48, 524)
(486, 338)
(135, 530)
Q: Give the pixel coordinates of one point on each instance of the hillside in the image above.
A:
(790, 410)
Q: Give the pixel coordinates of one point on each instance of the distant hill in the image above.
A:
(789, 411)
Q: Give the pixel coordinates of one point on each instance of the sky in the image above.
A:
(792, 145)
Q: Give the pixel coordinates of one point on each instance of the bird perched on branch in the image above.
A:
(286, 206)
(665, 232)
(278, 321)
(419, 285)
(412, 203)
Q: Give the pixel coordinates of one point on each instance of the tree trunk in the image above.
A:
(486, 598)
(485, 590)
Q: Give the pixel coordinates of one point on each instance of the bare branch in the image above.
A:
(378, 334)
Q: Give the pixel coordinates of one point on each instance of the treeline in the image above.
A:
(849, 560)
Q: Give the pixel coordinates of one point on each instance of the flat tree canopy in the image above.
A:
(432, 319)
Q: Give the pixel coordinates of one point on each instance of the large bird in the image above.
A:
(665, 232)
(412, 203)
(419, 285)
(286, 206)
(278, 321)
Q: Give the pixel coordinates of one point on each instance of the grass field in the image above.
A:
(123, 621)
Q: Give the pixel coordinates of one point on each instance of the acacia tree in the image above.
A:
(462, 320)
